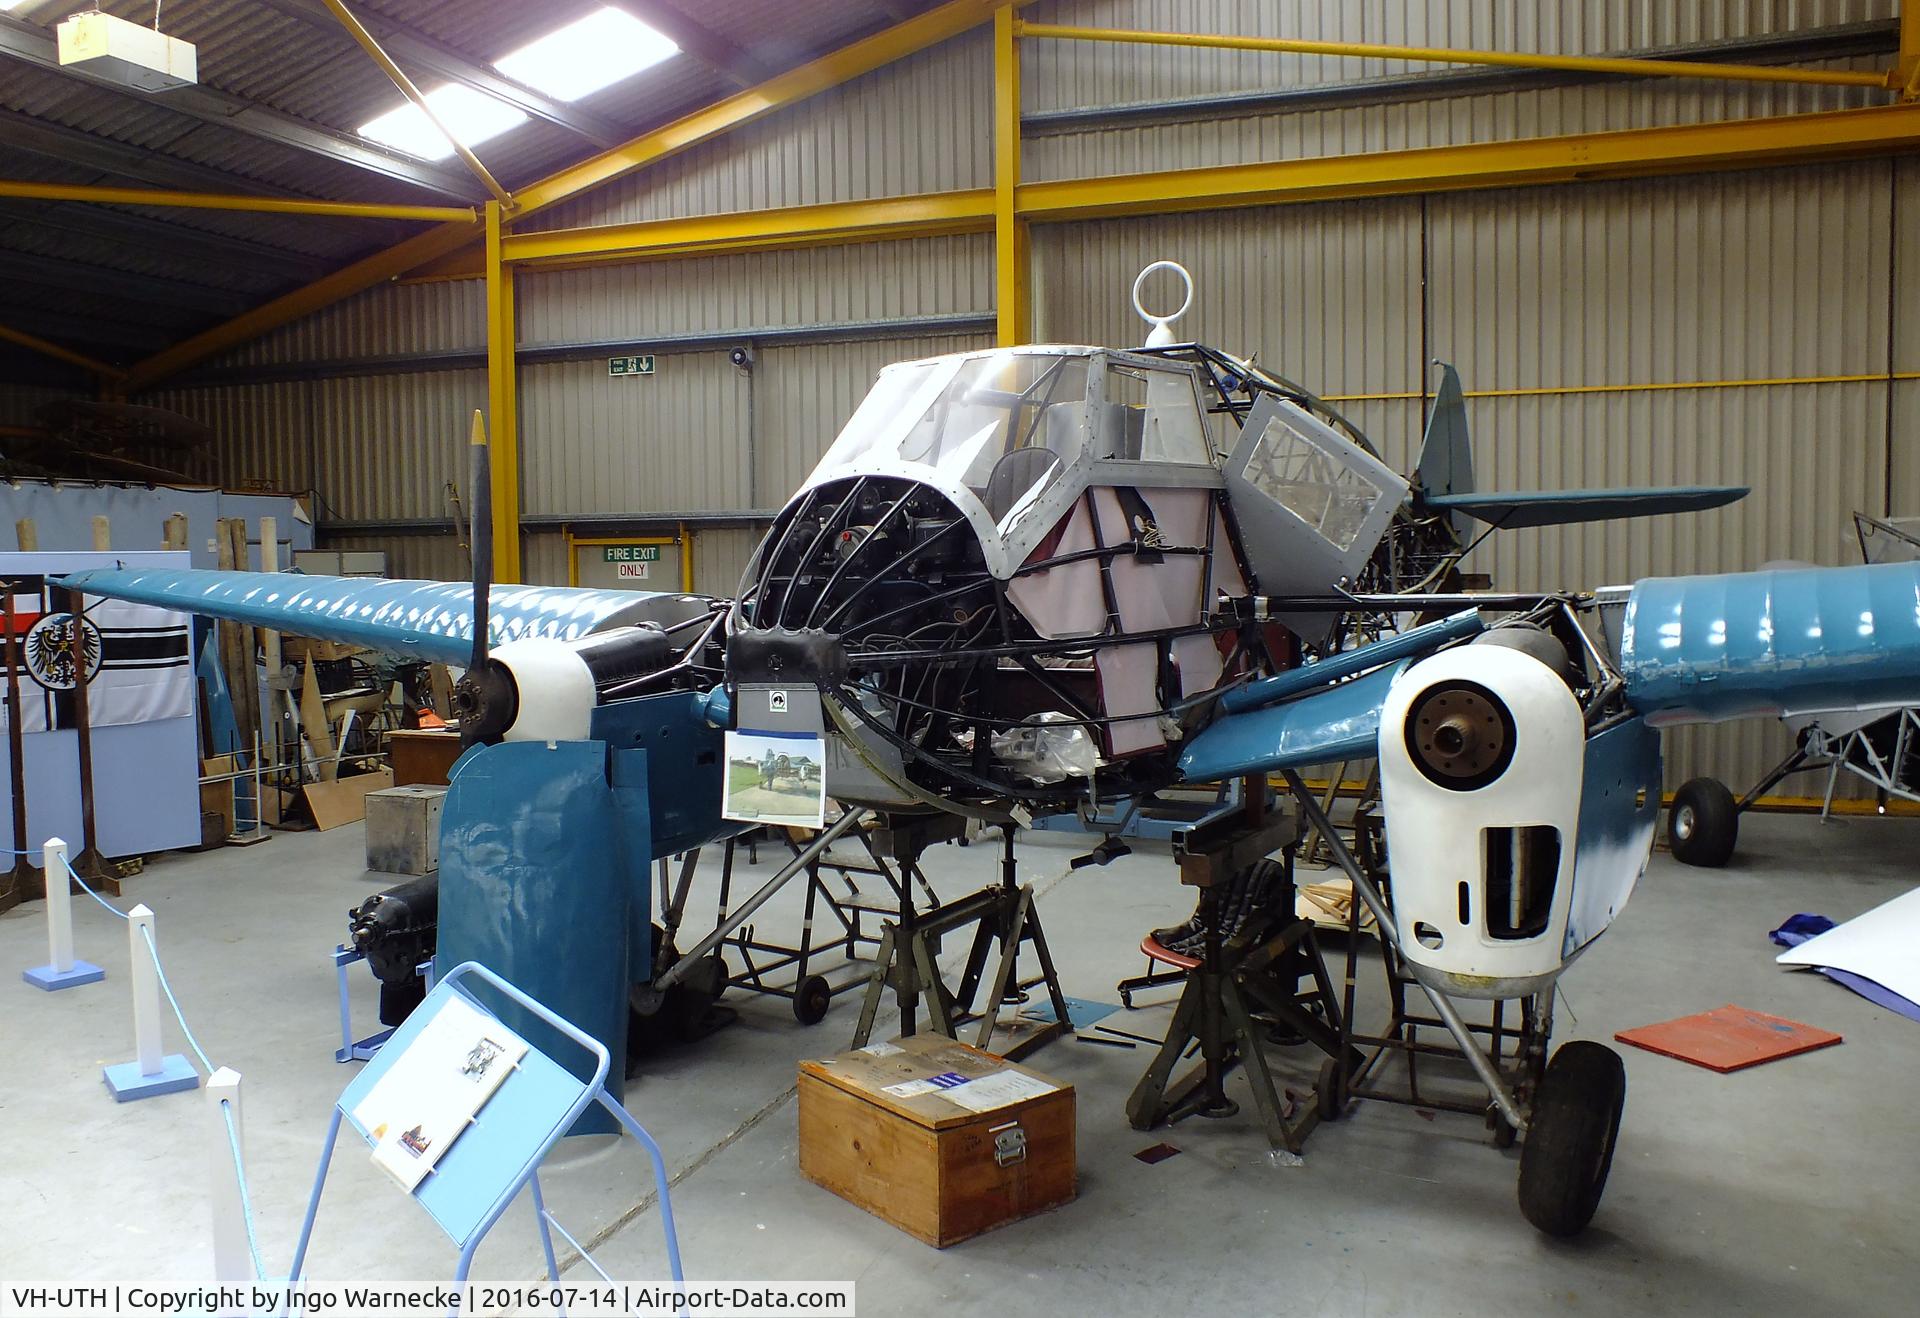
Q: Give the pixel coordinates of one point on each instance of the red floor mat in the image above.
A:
(1728, 1038)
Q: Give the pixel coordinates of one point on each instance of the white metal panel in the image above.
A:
(389, 446)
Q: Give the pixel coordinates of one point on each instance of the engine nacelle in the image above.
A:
(540, 689)
(1482, 754)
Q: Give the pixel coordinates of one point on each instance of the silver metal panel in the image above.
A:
(1326, 295)
(672, 441)
(923, 124)
(813, 286)
(387, 446)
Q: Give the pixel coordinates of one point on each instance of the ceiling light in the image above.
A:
(469, 115)
(584, 56)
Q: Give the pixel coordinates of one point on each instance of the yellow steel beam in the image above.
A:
(1629, 153)
(503, 405)
(1906, 72)
(346, 19)
(1013, 282)
(897, 42)
(925, 216)
(34, 343)
(930, 28)
(1639, 68)
(1684, 148)
(214, 201)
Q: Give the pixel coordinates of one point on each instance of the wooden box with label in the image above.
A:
(942, 1140)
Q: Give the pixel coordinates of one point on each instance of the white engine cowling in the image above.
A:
(1482, 753)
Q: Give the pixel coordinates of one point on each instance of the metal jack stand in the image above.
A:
(908, 956)
(1260, 965)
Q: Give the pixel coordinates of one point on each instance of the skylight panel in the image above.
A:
(586, 55)
(468, 114)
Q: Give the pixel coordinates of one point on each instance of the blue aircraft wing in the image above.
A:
(1563, 507)
(1785, 641)
(429, 620)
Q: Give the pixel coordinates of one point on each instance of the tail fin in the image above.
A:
(1446, 453)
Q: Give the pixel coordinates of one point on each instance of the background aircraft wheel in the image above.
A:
(1702, 823)
(811, 1000)
(1331, 1090)
(1569, 1148)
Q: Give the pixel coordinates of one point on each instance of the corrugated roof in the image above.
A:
(283, 68)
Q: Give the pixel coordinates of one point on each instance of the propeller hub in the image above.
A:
(485, 701)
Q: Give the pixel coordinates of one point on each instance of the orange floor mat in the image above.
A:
(1728, 1038)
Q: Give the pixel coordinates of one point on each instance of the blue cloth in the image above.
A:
(1799, 928)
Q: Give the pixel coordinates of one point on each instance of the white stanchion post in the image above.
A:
(232, 1260)
(63, 970)
(151, 1073)
(146, 990)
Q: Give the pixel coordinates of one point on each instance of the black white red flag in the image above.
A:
(137, 659)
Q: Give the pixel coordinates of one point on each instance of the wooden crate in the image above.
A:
(889, 1127)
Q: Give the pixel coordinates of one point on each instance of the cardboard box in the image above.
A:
(899, 1129)
(403, 829)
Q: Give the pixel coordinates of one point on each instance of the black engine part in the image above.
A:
(396, 929)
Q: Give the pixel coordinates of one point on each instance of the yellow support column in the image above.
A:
(1013, 274)
(1905, 77)
(503, 406)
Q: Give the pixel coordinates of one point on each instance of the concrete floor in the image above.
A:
(1784, 1188)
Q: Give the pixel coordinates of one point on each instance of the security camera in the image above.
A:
(741, 357)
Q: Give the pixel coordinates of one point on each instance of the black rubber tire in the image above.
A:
(1703, 823)
(811, 999)
(1330, 1090)
(1570, 1141)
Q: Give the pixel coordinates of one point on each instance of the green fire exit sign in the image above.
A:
(630, 553)
(642, 365)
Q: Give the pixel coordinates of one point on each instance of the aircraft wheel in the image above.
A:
(1569, 1148)
(1702, 823)
(1330, 1090)
(811, 1000)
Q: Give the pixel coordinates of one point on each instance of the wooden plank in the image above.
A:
(28, 535)
(344, 801)
(102, 533)
(888, 1167)
(313, 721)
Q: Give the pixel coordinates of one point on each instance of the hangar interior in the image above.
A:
(1662, 245)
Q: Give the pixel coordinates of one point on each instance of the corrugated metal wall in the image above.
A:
(1549, 300)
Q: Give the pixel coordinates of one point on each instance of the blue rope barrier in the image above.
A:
(246, 1199)
(146, 934)
(226, 1108)
(88, 889)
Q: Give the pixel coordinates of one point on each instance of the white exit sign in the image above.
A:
(642, 365)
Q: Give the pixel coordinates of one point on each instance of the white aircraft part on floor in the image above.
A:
(1878, 946)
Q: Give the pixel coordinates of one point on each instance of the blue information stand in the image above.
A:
(483, 1170)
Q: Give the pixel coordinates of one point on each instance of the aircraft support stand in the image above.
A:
(908, 956)
(1257, 968)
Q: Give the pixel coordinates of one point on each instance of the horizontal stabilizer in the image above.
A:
(429, 620)
(1761, 644)
(1563, 507)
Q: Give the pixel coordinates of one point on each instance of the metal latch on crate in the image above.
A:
(1009, 1143)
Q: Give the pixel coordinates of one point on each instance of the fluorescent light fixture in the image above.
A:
(470, 115)
(586, 55)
